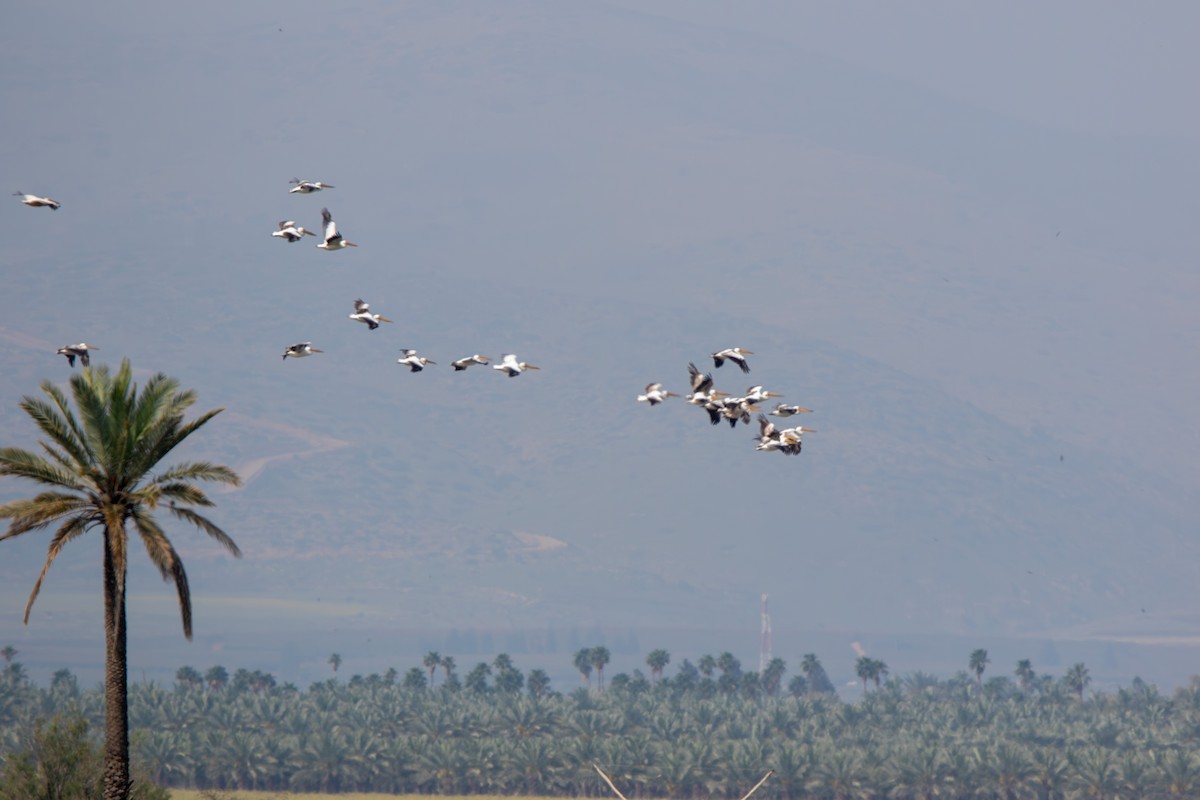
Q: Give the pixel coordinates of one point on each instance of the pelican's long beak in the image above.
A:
(531, 366)
(351, 244)
(384, 319)
(772, 394)
(485, 358)
(804, 409)
(315, 350)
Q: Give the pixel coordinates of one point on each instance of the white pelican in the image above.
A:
(308, 187)
(703, 393)
(289, 230)
(80, 350)
(361, 314)
(333, 239)
(756, 394)
(655, 394)
(37, 202)
(300, 350)
(413, 361)
(784, 410)
(731, 409)
(510, 365)
(463, 363)
(735, 354)
(771, 439)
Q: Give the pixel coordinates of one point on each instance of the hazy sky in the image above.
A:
(965, 233)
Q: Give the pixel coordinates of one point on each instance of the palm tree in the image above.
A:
(814, 671)
(1025, 674)
(448, 667)
(335, 661)
(432, 660)
(1077, 679)
(216, 677)
(583, 663)
(870, 669)
(657, 661)
(600, 657)
(8, 654)
(538, 683)
(978, 663)
(97, 463)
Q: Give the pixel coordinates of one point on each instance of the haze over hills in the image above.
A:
(991, 316)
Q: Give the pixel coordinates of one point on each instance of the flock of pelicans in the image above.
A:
(719, 405)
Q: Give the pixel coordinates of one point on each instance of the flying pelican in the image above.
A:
(788, 441)
(463, 363)
(733, 409)
(702, 386)
(289, 230)
(413, 361)
(308, 187)
(784, 410)
(333, 239)
(756, 394)
(510, 365)
(361, 314)
(80, 350)
(37, 202)
(300, 350)
(735, 354)
(655, 394)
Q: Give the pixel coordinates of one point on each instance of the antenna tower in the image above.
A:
(764, 642)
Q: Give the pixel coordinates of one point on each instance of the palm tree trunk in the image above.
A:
(116, 712)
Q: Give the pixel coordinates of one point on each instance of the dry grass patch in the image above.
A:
(208, 794)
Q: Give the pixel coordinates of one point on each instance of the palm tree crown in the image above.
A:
(98, 463)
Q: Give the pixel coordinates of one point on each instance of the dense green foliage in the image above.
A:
(59, 760)
(690, 734)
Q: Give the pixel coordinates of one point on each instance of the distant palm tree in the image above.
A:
(447, 667)
(870, 669)
(335, 661)
(657, 661)
(538, 683)
(707, 665)
(600, 657)
(1025, 674)
(98, 460)
(583, 663)
(814, 671)
(1077, 679)
(432, 660)
(216, 677)
(978, 663)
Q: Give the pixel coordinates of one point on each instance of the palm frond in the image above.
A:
(63, 407)
(199, 471)
(184, 493)
(51, 422)
(163, 555)
(69, 530)
(206, 525)
(20, 463)
(91, 390)
(38, 512)
(168, 436)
